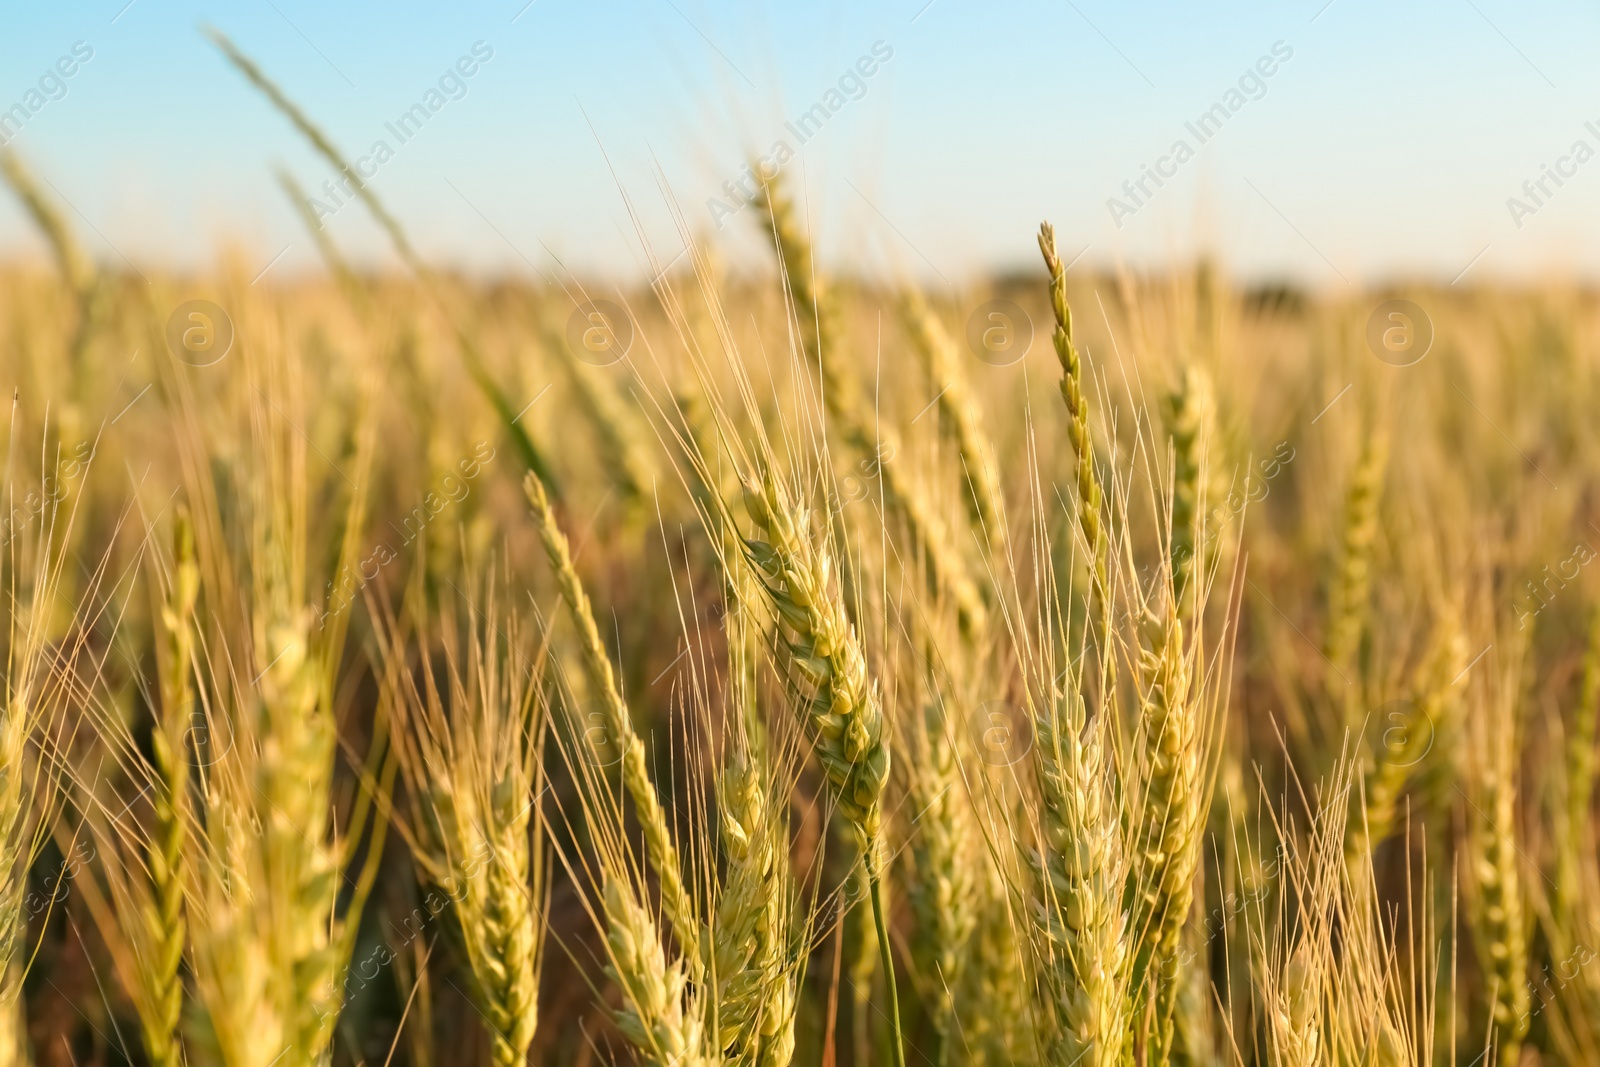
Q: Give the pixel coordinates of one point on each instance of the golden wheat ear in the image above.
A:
(659, 841)
(470, 745)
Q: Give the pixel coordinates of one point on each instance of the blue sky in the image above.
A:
(1387, 145)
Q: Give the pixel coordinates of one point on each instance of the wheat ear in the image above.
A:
(319, 141)
(37, 672)
(828, 670)
(659, 844)
(1581, 745)
(1497, 908)
(1079, 870)
(169, 742)
(19, 844)
(945, 572)
(1406, 740)
(1090, 499)
(941, 873)
(627, 467)
(959, 414)
(1189, 418)
(756, 993)
(295, 781)
(1352, 583)
(472, 755)
(13, 1020)
(75, 265)
(653, 1015)
(994, 990)
(1171, 812)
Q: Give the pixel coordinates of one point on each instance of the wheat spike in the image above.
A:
(1079, 869)
(1499, 933)
(626, 465)
(662, 851)
(1189, 416)
(654, 1015)
(13, 1021)
(828, 673)
(1581, 745)
(755, 991)
(1352, 582)
(169, 742)
(472, 753)
(1091, 518)
(994, 992)
(1296, 1013)
(946, 572)
(842, 713)
(959, 414)
(1404, 743)
(941, 872)
(1171, 813)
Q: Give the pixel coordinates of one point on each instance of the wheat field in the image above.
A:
(769, 666)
